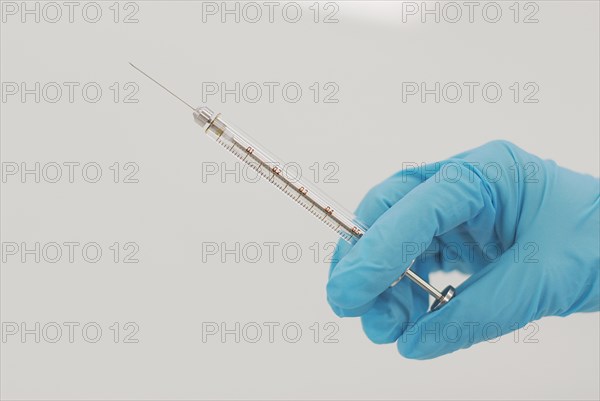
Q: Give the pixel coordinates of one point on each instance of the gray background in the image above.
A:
(171, 211)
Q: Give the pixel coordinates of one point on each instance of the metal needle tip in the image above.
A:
(162, 86)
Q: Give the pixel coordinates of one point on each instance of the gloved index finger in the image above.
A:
(388, 247)
(376, 202)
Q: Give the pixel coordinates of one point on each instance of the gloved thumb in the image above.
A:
(502, 297)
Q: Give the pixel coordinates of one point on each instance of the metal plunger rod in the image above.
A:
(423, 284)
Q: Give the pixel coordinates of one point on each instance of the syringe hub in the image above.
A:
(209, 121)
(203, 115)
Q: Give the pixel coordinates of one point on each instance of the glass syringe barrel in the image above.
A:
(338, 219)
(270, 168)
(319, 205)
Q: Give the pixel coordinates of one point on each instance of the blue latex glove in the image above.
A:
(527, 230)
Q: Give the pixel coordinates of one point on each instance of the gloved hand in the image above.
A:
(525, 229)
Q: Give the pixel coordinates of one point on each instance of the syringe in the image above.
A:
(344, 223)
